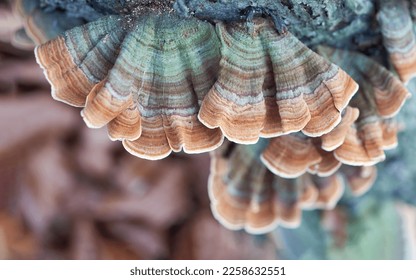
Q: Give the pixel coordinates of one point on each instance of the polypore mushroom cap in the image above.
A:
(363, 145)
(270, 84)
(290, 156)
(390, 130)
(360, 178)
(81, 58)
(330, 190)
(368, 138)
(173, 79)
(145, 77)
(328, 165)
(336, 137)
(245, 195)
(309, 193)
(236, 189)
(398, 37)
(380, 97)
(385, 93)
(98, 109)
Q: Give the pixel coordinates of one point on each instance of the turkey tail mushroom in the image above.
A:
(246, 195)
(379, 99)
(398, 37)
(238, 191)
(336, 137)
(81, 58)
(141, 81)
(387, 94)
(330, 189)
(290, 156)
(359, 178)
(365, 144)
(270, 84)
(328, 165)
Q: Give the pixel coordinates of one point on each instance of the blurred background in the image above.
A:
(68, 192)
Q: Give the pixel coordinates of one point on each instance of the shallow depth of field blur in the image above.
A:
(68, 192)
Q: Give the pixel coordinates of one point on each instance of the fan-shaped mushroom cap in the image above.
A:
(236, 193)
(363, 145)
(309, 193)
(380, 97)
(360, 179)
(398, 37)
(126, 125)
(290, 156)
(368, 139)
(145, 77)
(270, 84)
(328, 165)
(330, 190)
(385, 93)
(75, 62)
(244, 194)
(336, 137)
(390, 130)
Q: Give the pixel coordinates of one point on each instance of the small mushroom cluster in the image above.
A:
(300, 120)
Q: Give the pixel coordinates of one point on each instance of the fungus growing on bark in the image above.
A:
(166, 78)
(271, 84)
(379, 99)
(246, 195)
(147, 87)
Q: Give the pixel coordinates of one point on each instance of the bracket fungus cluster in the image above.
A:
(145, 87)
(158, 94)
(271, 84)
(300, 121)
